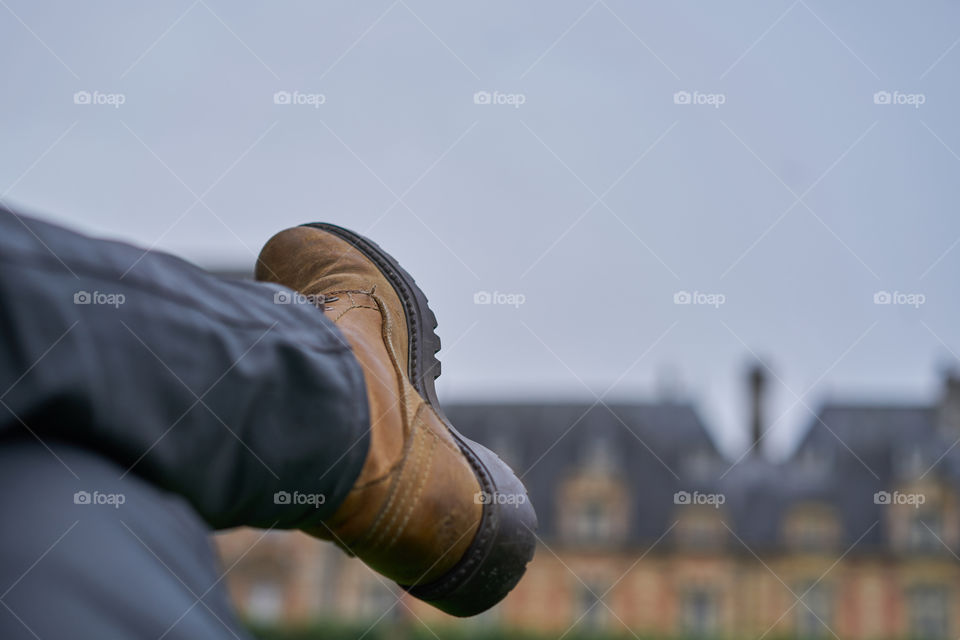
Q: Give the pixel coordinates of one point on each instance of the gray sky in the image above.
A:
(784, 185)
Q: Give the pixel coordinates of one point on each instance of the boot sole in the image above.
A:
(505, 540)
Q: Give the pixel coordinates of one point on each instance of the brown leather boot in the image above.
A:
(441, 515)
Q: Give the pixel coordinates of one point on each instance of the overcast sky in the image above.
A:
(592, 158)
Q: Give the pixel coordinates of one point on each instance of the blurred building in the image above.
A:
(643, 524)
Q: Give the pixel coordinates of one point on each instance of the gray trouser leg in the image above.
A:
(205, 387)
(102, 557)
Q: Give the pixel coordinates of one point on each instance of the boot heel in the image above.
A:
(504, 543)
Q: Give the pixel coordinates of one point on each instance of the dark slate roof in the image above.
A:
(869, 430)
(848, 454)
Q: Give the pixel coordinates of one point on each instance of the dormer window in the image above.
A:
(700, 527)
(812, 527)
(924, 532)
(592, 522)
(593, 509)
(921, 518)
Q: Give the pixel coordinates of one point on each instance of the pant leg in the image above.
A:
(207, 388)
(141, 566)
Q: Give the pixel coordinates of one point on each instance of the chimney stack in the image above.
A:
(757, 380)
(948, 410)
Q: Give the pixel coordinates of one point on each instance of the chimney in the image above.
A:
(948, 409)
(757, 380)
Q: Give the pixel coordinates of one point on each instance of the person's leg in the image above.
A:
(95, 556)
(212, 390)
(206, 387)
